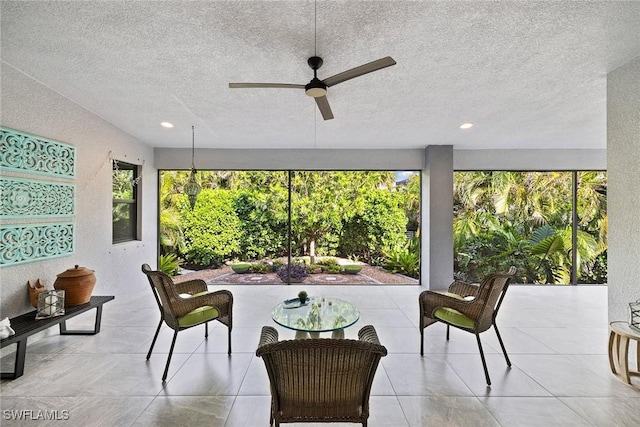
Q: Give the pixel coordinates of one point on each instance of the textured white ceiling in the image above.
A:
(528, 74)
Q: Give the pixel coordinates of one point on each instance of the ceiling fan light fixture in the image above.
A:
(315, 88)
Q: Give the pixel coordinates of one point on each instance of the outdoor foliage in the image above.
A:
(347, 214)
(169, 264)
(263, 225)
(524, 219)
(369, 233)
(212, 229)
(404, 258)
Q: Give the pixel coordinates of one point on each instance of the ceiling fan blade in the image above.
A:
(359, 71)
(323, 105)
(264, 85)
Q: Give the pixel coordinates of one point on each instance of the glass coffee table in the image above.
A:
(316, 315)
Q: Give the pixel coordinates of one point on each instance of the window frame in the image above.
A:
(134, 203)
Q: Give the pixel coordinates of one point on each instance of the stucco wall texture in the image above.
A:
(623, 197)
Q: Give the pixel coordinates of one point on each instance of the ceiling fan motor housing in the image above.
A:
(315, 88)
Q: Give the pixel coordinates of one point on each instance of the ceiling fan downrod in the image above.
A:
(315, 88)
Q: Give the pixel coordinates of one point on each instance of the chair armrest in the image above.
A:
(269, 335)
(222, 300)
(431, 300)
(368, 334)
(190, 287)
(464, 289)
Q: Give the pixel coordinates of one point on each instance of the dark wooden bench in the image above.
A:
(26, 325)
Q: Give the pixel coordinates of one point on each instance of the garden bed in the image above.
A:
(368, 276)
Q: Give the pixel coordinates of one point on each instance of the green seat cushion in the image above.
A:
(197, 316)
(454, 317)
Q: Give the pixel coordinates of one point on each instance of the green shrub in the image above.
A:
(212, 229)
(333, 269)
(260, 268)
(314, 268)
(330, 265)
(328, 262)
(375, 228)
(404, 259)
(169, 264)
(262, 225)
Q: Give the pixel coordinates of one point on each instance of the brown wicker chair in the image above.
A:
(320, 380)
(469, 307)
(187, 304)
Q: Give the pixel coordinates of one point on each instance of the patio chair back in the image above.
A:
(321, 380)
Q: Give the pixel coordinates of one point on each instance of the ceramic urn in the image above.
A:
(78, 283)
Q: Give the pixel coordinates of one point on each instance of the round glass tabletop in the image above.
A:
(318, 314)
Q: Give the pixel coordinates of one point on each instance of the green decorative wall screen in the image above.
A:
(26, 243)
(26, 161)
(23, 152)
(26, 198)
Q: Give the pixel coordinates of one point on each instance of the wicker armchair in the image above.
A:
(187, 304)
(469, 307)
(320, 380)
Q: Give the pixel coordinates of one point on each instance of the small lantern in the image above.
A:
(192, 188)
(634, 308)
(50, 304)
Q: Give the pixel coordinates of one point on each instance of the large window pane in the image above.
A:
(592, 227)
(525, 219)
(337, 218)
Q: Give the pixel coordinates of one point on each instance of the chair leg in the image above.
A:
(504, 351)
(166, 368)
(484, 362)
(206, 330)
(155, 337)
(229, 345)
(421, 342)
(447, 332)
(271, 413)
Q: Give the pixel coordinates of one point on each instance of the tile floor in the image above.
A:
(556, 338)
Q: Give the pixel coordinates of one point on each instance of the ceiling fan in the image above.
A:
(317, 88)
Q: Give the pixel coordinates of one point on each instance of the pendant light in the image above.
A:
(192, 188)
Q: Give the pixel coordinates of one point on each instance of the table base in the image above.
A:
(301, 335)
(619, 354)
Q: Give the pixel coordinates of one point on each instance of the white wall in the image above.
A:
(519, 160)
(175, 158)
(530, 160)
(623, 196)
(30, 106)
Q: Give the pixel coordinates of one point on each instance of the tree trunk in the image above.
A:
(312, 251)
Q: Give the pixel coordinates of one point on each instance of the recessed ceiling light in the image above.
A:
(466, 125)
(166, 124)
